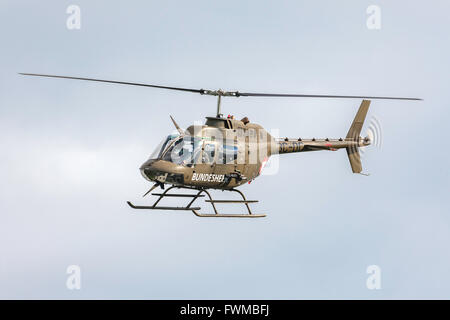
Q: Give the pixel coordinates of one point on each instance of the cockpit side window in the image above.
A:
(185, 151)
(227, 153)
(209, 153)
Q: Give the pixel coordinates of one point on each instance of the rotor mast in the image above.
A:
(219, 98)
(219, 93)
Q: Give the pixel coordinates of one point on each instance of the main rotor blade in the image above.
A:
(287, 95)
(220, 92)
(115, 82)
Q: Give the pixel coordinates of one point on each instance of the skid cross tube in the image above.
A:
(216, 214)
(196, 210)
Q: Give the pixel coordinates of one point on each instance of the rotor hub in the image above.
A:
(220, 92)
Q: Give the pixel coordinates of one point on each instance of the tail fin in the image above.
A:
(355, 129)
(353, 135)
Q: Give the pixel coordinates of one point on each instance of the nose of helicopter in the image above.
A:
(161, 171)
(147, 170)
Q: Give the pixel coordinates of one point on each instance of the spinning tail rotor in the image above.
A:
(373, 134)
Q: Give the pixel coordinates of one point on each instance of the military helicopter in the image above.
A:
(225, 153)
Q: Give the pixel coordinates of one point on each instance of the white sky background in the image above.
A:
(70, 151)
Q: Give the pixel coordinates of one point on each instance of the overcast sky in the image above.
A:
(70, 151)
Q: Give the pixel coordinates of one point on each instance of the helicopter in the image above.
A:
(225, 153)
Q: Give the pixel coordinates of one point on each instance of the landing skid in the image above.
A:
(201, 193)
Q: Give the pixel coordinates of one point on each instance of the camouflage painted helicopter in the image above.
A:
(225, 153)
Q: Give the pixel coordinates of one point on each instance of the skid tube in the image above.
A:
(196, 210)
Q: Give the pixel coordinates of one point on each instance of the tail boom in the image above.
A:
(351, 143)
(304, 145)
